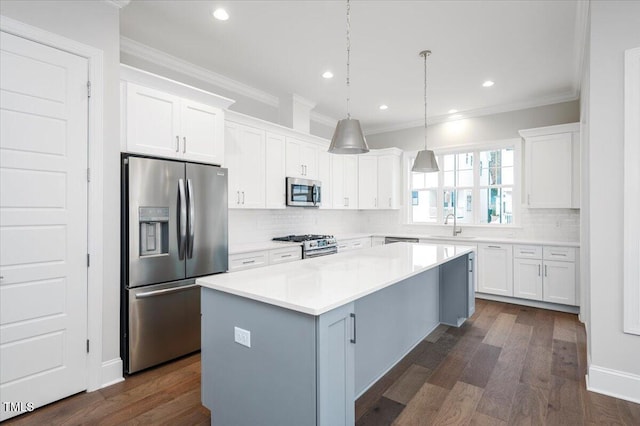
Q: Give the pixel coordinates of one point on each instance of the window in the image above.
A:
(478, 186)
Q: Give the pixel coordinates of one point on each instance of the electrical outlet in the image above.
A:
(242, 336)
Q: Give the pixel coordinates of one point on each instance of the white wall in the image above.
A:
(478, 129)
(94, 23)
(615, 27)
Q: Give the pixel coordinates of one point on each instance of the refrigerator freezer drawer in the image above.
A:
(164, 323)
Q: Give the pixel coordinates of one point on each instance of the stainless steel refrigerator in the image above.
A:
(174, 229)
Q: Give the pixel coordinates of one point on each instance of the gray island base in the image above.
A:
(313, 349)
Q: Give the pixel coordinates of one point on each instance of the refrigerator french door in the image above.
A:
(174, 224)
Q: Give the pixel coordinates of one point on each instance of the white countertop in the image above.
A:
(474, 240)
(318, 285)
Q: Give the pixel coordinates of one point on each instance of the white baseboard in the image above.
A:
(527, 302)
(614, 383)
(111, 372)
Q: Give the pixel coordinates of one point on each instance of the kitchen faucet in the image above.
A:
(456, 231)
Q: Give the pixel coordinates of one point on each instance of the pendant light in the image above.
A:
(425, 161)
(348, 137)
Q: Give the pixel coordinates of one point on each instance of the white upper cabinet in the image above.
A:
(165, 118)
(368, 181)
(275, 172)
(379, 179)
(301, 159)
(245, 159)
(344, 185)
(552, 166)
(325, 176)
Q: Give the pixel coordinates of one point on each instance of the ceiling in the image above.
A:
(531, 49)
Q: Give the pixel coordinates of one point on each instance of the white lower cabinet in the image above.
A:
(495, 269)
(353, 244)
(259, 258)
(537, 275)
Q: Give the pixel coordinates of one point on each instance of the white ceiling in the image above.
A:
(531, 49)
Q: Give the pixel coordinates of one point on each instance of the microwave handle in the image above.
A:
(313, 194)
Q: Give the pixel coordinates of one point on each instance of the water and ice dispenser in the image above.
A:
(154, 231)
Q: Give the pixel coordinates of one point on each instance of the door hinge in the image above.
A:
(88, 175)
(88, 260)
(88, 89)
(87, 345)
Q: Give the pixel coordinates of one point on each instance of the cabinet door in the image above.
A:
(495, 269)
(559, 282)
(351, 181)
(336, 331)
(527, 278)
(252, 155)
(233, 162)
(292, 158)
(549, 171)
(389, 182)
(325, 176)
(202, 133)
(337, 182)
(153, 122)
(275, 172)
(309, 159)
(367, 182)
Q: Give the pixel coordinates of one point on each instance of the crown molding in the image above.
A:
(303, 101)
(118, 3)
(571, 95)
(157, 57)
(323, 119)
(580, 42)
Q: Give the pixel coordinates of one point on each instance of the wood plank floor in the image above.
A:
(507, 365)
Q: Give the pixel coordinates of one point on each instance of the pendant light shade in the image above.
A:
(348, 137)
(425, 161)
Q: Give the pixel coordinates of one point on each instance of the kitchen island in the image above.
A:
(297, 343)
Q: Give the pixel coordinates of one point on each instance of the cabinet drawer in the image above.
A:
(240, 261)
(360, 243)
(527, 252)
(567, 254)
(282, 255)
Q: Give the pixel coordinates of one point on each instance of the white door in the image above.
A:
(495, 269)
(367, 182)
(388, 181)
(275, 193)
(309, 158)
(559, 282)
(43, 223)
(339, 198)
(202, 133)
(293, 160)
(351, 181)
(153, 122)
(527, 278)
(549, 171)
(326, 178)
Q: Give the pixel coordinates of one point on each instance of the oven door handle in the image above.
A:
(313, 194)
(321, 252)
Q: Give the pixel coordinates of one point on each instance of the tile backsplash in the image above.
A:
(247, 226)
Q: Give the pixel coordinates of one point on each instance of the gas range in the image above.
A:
(313, 245)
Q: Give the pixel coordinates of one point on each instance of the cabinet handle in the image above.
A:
(527, 252)
(528, 199)
(389, 201)
(538, 270)
(375, 202)
(495, 247)
(344, 202)
(242, 197)
(353, 317)
(177, 143)
(246, 262)
(286, 255)
(545, 270)
(184, 144)
(470, 265)
(558, 254)
(238, 197)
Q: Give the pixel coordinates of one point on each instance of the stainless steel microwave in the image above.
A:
(304, 192)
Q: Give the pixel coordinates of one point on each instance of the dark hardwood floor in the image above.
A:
(507, 365)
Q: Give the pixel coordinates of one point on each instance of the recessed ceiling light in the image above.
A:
(383, 107)
(220, 14)
(327, 74)
(452, 111)
(488, 83)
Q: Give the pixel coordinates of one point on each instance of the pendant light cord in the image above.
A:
(348, 56)
(425, 54)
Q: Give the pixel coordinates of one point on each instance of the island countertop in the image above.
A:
(318, 285)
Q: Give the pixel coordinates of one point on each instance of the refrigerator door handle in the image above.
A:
(182, 220)
(192, 217)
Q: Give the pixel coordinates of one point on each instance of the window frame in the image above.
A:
(475, 148)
